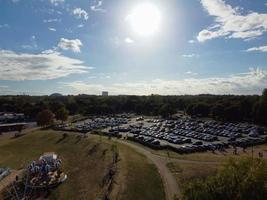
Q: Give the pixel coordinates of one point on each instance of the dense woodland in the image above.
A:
(220, 107)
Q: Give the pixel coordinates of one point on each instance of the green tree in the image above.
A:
(244, 179)
(264, 96)
(166, 110)
(217, 111)
(260, 109)
(62, 114)
(45, 118)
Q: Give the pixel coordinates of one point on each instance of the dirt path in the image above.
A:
(170, 185)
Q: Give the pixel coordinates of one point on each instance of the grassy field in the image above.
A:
(185, 172)
(209, 156)
(86, 162)
(141, 177)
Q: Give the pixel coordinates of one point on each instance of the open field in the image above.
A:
(209, 156)
(86, 161)
(185, 172)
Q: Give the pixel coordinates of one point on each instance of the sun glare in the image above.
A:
(145, 19)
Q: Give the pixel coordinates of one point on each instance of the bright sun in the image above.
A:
(145, 19)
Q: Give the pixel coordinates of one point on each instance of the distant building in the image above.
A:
(11, 117)
(105, 93)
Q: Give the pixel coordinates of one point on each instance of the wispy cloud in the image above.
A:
(73, 45)
(251, 82)
(261, 48)
(129, 40)
(230, 23)
(52, 29)
(97, 7)
(56, 2)
(32, 44)
(191, 73)
(190, 55)
(80, 26)
(49, 64)
(80, 13)
(51, 20)
(191, 41)
(4, 26)
(15, 1)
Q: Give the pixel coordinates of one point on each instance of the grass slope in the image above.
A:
(86, 162)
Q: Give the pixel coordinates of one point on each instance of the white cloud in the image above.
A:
(49, 64)
(230, 23)
(97, 7)
(73, 45)
(56, 2)
(190, 55)
(128, 40)
(52, 29)
(51, 20)
(80, 13)
(261, 48)
(251, 82)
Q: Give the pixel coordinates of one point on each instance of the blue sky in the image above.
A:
(87, 46)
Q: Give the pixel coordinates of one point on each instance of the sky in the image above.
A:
(133, 47)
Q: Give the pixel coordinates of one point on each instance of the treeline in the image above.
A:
(221, 107)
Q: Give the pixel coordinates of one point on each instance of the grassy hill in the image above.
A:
(86, 162)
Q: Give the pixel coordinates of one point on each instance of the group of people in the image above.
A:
(260, 154)
(42, 169)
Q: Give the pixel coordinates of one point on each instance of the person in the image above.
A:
(235, 150)
(260, 155)
(244, 149)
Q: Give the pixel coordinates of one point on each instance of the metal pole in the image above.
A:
(26, 184)
(17, 196)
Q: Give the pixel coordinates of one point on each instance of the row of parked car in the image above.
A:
(190, 148)
(199, 135)
(199, 146)
(246, 142)
(94, 124)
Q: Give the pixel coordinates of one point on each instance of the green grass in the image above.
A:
(141, 177)
(185, 172)
(209, 156)
(137, 177)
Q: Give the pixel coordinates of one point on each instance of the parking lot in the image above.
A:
(181, 135)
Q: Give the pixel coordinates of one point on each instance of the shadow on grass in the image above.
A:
(18, 136)
(64, 136)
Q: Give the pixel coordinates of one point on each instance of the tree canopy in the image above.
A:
(244, 179)
(45, 118)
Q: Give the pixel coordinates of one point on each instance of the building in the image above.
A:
(12, 127)
(105, 93)
(11, 117)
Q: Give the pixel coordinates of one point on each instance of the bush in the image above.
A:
(244, 179)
